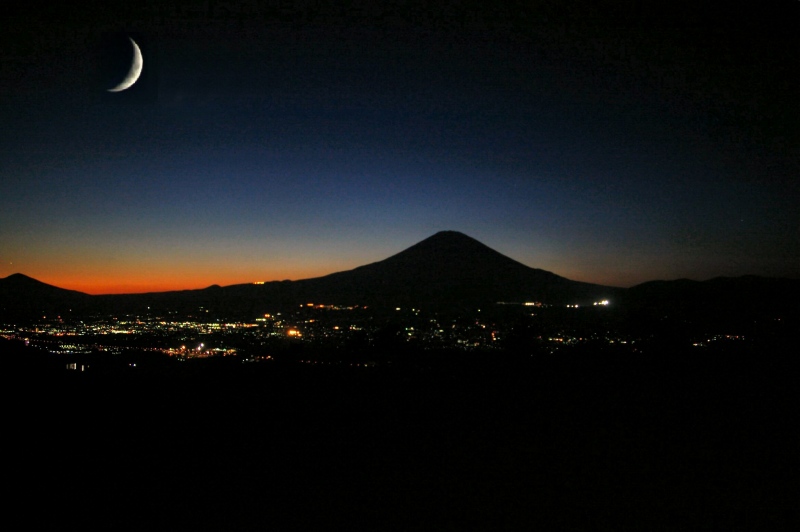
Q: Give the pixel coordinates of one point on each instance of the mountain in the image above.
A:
(21, 295)
(748, 300)
(732, 293)
(450, 268)
(447, 269)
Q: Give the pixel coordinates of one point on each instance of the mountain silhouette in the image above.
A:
(21, 295)
(748, 302)
(450, 268)
(447, 269)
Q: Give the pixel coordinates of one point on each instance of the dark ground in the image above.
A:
(578, 443)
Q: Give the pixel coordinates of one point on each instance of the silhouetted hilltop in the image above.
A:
(20, 283)
(739, 293)
(747, 305)
(21, 295)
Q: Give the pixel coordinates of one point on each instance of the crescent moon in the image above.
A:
(134, 72)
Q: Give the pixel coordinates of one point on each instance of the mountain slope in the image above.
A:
(23, 295)
(749, 300)
(450, 268)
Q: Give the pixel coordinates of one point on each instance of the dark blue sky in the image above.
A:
(270, 140)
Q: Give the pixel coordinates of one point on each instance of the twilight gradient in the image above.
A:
(615, 148)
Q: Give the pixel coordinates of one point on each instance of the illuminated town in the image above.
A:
(333, 335)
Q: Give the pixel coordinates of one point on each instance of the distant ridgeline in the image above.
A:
(448, 270)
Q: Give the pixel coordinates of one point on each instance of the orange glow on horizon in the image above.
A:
(138, 282)
(144, 283)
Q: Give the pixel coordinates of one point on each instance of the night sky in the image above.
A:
(612, 144)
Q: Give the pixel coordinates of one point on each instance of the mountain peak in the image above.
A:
(450, 235)
(20, 278)
(448, 232)
(19, 281)
(445, 249)
(450, 243)
(21, 295)
(449, 267)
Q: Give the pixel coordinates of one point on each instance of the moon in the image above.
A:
(134, 72)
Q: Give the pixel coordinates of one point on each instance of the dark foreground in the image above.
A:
(578, 443)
